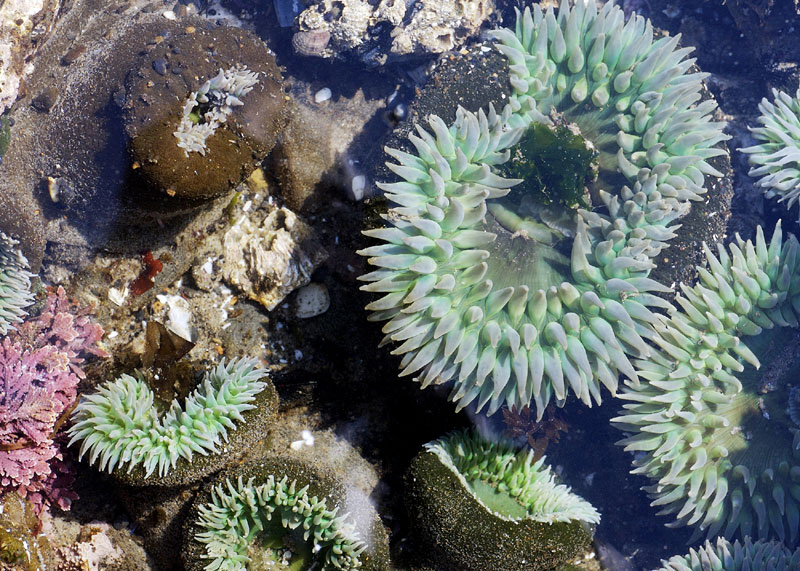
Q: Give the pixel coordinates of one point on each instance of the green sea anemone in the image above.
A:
(279, 513)
(484, 505)
(15, 283)
(776, 158)
(123, 424)
(712, 426)
(518, 291)
(727, 556)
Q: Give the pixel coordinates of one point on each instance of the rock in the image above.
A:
(222, 140)
(270, 258)
(318, 143)
(379, 31)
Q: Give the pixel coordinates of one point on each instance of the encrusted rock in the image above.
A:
(270, 259)
(377, 31)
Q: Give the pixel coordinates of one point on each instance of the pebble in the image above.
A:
(312, 300)
(357, 186)
(160, 66)
(322, 95)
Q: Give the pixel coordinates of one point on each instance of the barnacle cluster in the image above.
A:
(209, 106)
(516, 297)
(776, 157)
(711, 424)
(485, 505)
(119, 424)
(736, 556)
(15, 283)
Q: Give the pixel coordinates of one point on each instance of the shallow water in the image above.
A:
(267, 267)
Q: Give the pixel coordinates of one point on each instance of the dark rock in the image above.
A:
(45, 100)
(160, 66)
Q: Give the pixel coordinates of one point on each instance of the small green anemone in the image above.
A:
(776, 158)
(518, 299)
(485, 505)
(727, 556)
(120, 424)
(280, 513)
(714, 427)
(15, 283)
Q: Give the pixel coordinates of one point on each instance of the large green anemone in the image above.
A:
(122, 424)
(517, 291)
(727, 556)
(712, 426)
(15, 283)
(281, 513)
(776, 158)
(485, 505)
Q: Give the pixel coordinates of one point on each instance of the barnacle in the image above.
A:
(711, 424)
(727, 556)
(485, 505)
(776, 158)
(120, 424)
(15, 283)
(517, 291)
(279, 513)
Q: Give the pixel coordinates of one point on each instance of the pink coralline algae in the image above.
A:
(40, 367)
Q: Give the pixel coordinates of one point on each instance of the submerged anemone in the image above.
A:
(711, 425)
(121, 423)
(484, 505)
(280, 513)
(518, 291)
(15, 283)
(776, 158)
(727, 556)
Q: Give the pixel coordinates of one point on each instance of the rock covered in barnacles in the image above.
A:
(268, 260)
(377, 31)
(202, 110)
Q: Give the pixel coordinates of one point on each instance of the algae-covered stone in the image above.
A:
(202, 109)
(281, 512)
(21, 546)
(478, 505)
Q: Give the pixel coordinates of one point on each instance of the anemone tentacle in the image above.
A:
(518, 302)
(736, 556)
(119, 424)
(15, 283)
(239, 511)
(715, 432)
(776, 158)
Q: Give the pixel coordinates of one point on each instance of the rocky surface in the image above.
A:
(388, 30)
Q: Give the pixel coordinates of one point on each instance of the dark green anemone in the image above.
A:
(522, 291)
(281, 513)
(483, 505)
(727, 556)
(714, 426)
